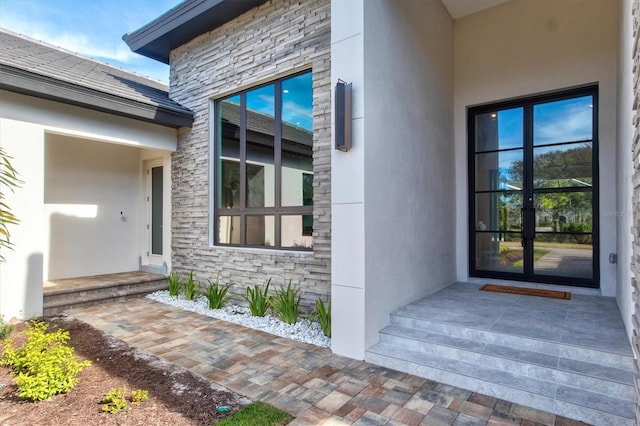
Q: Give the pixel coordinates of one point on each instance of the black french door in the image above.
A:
(533, 189)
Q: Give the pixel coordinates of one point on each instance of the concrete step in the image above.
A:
(579, 374)
(404, 318)
(587, 384)
(585, 405)
(58, 300)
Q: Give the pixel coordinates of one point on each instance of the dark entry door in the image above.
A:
(533, 189)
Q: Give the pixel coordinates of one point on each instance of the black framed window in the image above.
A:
(263, 166)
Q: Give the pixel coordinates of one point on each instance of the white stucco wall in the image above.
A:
(392, 193)
(93, 207)
(409, 189)
(25, 123)
(347, 187)
(624, 188)
(525, 47)
(83, 123)
(21, 273)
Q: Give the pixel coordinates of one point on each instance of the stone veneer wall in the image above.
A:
(278, 38)
(635, 261)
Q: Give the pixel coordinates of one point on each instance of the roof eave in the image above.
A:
(32, 84)
(182, 24)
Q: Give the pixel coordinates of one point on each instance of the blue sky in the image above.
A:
(91, 28)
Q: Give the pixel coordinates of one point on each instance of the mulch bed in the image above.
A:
(176, 396)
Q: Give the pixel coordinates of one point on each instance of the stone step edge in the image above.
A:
(520, 366)
(103, 285)
(569, 351)
(97, 297)
(57, 310)
(525, 397)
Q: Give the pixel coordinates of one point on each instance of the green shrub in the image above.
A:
(174, 284)
(258, 300)
(285, 303)
(115, 401)
(5, 329)
(190, 288)
(45, 365)
(139, 396)
(216, 294)
(323, 316)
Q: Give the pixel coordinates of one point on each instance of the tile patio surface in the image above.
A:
(311, 383)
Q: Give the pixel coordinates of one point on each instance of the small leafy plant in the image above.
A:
(258, 300)
(190, 288)
(322, 314)
(115, 401)
(138, 396)
(45, 365)
(5, 328)
(285, 303)
(174, 284)
(216, 294)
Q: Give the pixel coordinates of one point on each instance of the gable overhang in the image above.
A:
(27, 83)
(182, 24)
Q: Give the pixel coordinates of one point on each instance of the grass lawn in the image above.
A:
(257, 414)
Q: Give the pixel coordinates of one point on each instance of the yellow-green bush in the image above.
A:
(45, 365)
(116, 399)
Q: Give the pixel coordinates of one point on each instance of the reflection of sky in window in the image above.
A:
(563, 121)
(510, 125)
(297, 101)
(261, 100)
(505, 162)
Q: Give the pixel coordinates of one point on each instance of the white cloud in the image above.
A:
(80, 43)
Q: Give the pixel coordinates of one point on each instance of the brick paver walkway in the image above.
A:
(311, 383)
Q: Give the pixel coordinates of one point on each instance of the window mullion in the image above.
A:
(243, 166)
(277, 160)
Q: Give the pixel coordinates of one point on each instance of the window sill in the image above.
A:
(267, 251)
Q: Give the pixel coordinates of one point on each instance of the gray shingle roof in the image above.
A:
(38, 69)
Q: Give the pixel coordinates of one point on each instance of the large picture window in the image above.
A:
(263, 166)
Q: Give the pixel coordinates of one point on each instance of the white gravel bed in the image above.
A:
(303, 330)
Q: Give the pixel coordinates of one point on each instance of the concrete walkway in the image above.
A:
(311, 383)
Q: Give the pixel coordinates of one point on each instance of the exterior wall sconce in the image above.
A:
(343, 116)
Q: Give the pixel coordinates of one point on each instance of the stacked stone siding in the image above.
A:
(278, 38)
(635, 261)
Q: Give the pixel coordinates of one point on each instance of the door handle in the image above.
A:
(523, 239)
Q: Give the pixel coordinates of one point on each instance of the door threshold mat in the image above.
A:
(553, 294)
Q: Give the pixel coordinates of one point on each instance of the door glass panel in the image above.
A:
(156, 210)
(499, 130)
(228, 229)
(564, 212)
(499, 251)
(499, 170)
(562, 166)
(260, 231)
(498, 211)
(569, 120)
(260, 172)
(562, 255)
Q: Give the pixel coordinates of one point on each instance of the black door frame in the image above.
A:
(527, 103)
